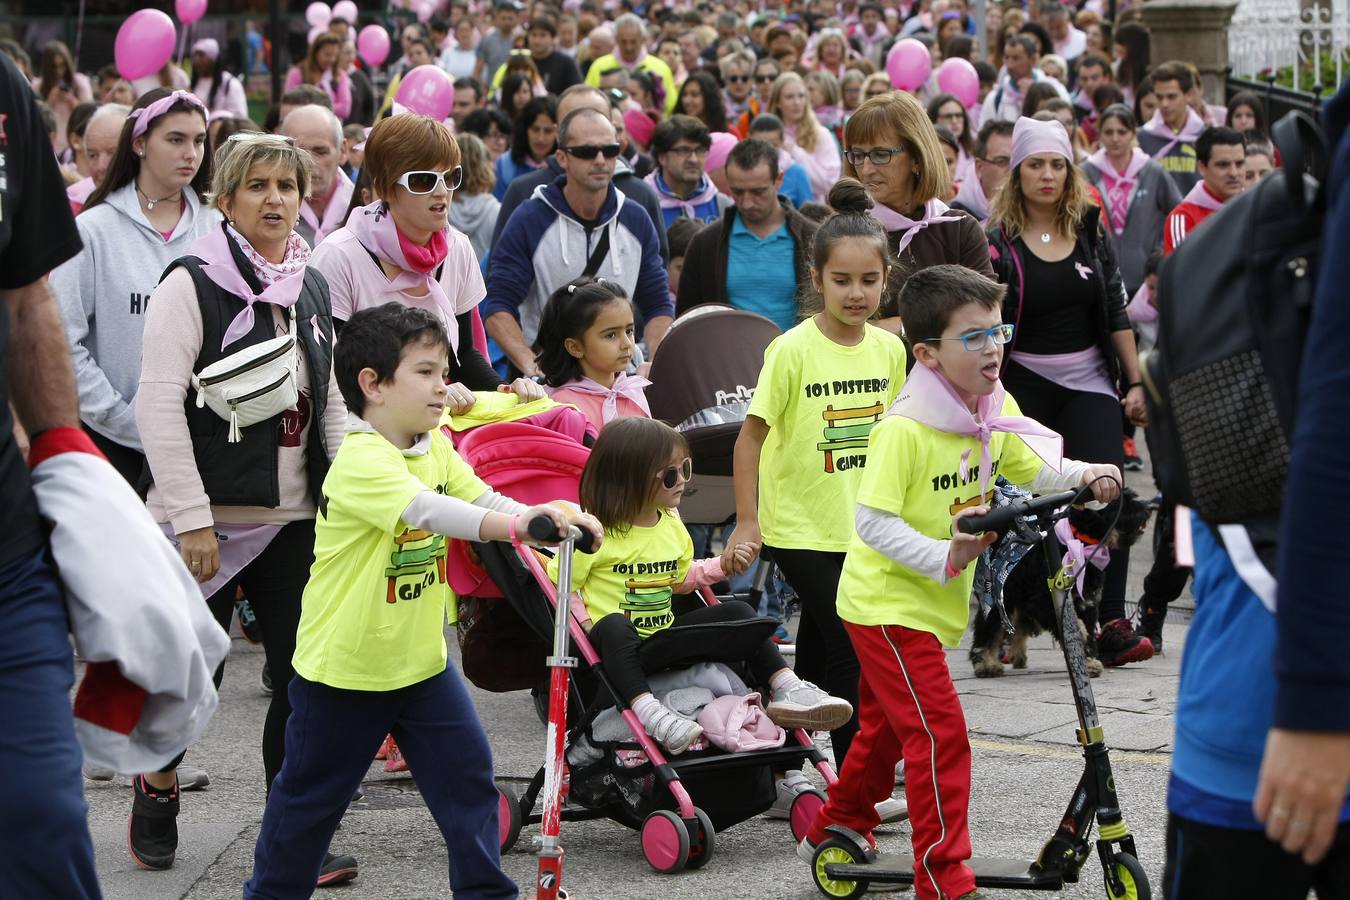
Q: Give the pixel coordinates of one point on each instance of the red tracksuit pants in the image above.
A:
(907, 705)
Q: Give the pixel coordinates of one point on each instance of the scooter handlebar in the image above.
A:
(1000, 518)
(542, 529)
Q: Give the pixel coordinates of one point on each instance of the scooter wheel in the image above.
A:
(702, 843)
(832, 851)
(803, 811)
(665, 841)
(509, 819)
(1133, 881)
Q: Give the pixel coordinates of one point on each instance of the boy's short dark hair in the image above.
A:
(374, 339)
(932, 295)
(1214, 136)
(749, 155)
(988, 130)
(1175, 71)
(679, 235)
(680, 127)
(766, 122)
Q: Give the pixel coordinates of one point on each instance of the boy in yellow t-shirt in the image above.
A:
(904, 591)
(370, 655)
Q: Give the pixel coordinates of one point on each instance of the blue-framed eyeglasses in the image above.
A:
(977, 341)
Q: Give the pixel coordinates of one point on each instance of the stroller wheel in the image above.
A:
(665, 841)
(803, 812)
(509, 818)
(702, 843)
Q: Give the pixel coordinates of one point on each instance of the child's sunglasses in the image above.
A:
(425, 182)
(672, 475)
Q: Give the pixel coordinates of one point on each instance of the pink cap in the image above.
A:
(722, 142)
(1031, 137)
(640, 126)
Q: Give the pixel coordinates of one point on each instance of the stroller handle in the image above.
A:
(1000, 518)
(542, 529)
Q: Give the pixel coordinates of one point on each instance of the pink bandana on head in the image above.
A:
(147, 114)
(374, 227)
(630, 386)
(1031, 137)
(929, 398)
(281, 281)
(1119, 185)
(934, 211)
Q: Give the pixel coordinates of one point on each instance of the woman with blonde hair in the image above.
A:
(1072, 347)
(473, 208)
(804, 138)
(893, 149)
(321, 67)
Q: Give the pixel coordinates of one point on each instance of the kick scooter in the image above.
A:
(845, 865)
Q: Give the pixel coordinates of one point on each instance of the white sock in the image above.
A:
(644, 707)
(782, 681)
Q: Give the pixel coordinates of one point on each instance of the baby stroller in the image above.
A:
(677, 805)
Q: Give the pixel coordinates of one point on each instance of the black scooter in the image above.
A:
(845, 865)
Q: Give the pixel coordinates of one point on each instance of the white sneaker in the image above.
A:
(892, 810)
(806, 706)
(672, 730)
(787, 788)
(191, 778)
(98, 773)
(900, 772)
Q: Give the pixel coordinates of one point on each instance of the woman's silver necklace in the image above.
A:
(151, 201)
(1045, 237)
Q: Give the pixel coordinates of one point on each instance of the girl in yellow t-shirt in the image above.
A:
(633, 483)
(802, 450)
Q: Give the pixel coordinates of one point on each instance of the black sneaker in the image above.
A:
(248, 622)
(338, 868)
(1151, 627)
(1117, 644)
(152, 827)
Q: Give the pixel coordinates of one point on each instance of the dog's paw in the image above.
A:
(987, 668)
(1094, 667)
(1019, 660)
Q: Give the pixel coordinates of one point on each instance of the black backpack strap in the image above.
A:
(597, 257)
(1304, 157)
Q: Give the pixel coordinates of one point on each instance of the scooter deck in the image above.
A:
(989, 872)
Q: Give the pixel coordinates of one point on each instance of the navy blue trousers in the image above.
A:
(45, 848)
(331, 738)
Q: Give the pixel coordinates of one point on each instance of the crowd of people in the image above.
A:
(601, 172)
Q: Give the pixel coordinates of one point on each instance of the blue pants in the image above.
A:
(331, 738)
(45, 848)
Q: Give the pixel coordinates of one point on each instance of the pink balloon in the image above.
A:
(189, 11)
(144, 43)
(424, 12)
(373, 44)
(427, 90)
(345, 9)
(909, 64)
(959, 78)
(318, 15)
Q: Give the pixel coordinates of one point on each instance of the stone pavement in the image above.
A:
(1025, 766)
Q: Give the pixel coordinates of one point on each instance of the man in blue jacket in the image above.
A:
(1258, 794)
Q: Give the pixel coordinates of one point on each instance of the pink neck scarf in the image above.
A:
(1189, 132)
(631, 386)
(703, 192)
(1200, 196)
(281, 281)
(374, 227)
(1076, 554)
(1119, 185)
(929, 398)
(933, 211)
(971, 196)
(1140, 307)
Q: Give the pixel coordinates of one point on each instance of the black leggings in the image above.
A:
(273, 583)
(1205, 861)
(1090, 425)
(825, 654)
(628, 658)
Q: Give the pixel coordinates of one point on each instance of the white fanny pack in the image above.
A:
(252, 385)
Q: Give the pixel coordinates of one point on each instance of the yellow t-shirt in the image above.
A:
(820, 401)
(374, 612)
(635, 573)
(914, 472)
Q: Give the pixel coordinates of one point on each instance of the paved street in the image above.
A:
(1025, 766)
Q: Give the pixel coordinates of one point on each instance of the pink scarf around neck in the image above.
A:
(1119, 185)
(933, 212)
(631, 386)
(929, 397)
(703, 192)
(1200, 196)
(1189, 132)
(281, 285)
(374, 227)
(1076, 554)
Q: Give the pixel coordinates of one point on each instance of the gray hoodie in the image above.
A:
(103, 293)
(1154, 196)
(476, 216)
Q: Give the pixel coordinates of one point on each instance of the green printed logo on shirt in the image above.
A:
(417, 563)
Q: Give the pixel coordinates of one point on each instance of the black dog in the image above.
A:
(1026, 596)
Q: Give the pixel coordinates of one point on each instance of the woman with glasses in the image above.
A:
(493, 127)
(401, 248)
(804, 138)
(892, 148)
(1073, 348)
(533, 139)
(945, 110)
(240, 501)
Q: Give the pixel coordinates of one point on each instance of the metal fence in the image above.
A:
(1279, 100)
(1306, 37)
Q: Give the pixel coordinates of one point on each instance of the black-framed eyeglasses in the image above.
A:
(686, 151)
(879, 156)
(1001, 162)
(425, 182)
(672, 475)
(978, 341)
(591, 151)
(765, 78)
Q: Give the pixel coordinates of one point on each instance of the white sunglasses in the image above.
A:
(425, 182)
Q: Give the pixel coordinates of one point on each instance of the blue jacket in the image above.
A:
(796, 185)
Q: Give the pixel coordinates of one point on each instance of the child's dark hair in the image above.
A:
(849, 200)
(374, 339)
(1152, 263)
(567, 314)
(932, 295)
(620, 477)
(679, 235)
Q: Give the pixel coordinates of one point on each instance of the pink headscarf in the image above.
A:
(147, 114)
(1031, 137)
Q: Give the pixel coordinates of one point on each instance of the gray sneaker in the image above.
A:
(807, 706)
(672, 730)
(788, 787)
(191, 778)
